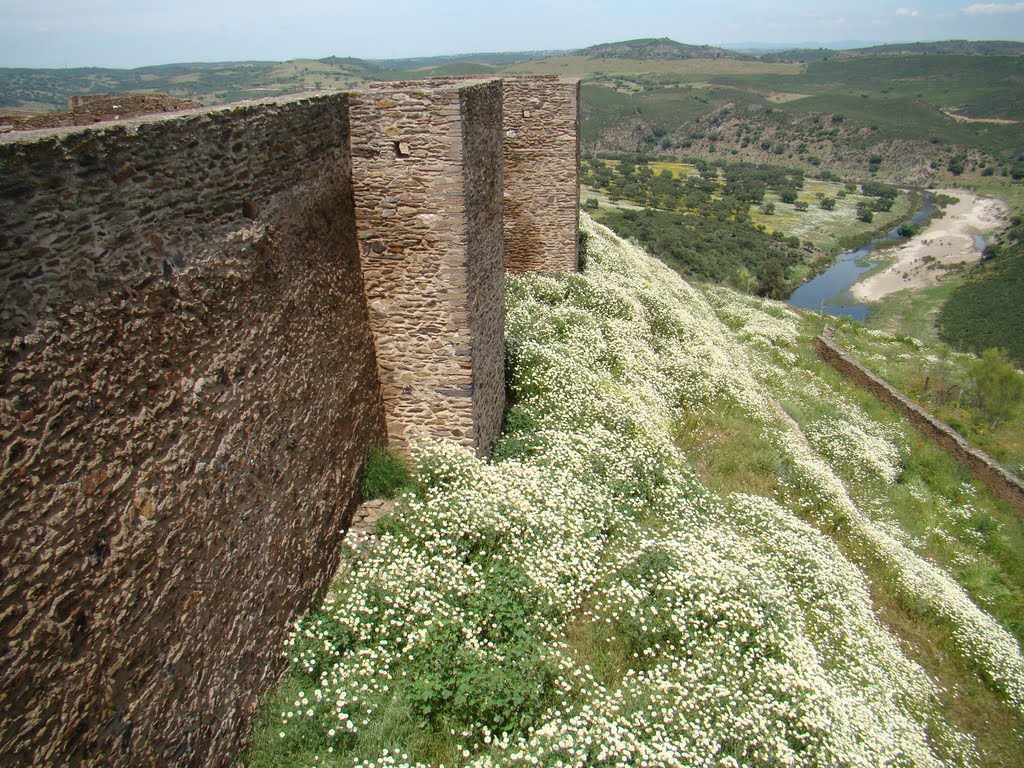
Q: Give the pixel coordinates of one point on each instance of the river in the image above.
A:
(830, 290)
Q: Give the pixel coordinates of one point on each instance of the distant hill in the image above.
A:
(800, 54)
(493, 59)
(47, 90)
(941, 48)
(945, 47)
(657, 48)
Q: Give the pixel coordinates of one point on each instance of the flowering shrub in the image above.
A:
(584, 598)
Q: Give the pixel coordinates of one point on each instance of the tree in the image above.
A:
(773, 281)
(768, 209)
(828, 203)
(788, 196)
(998, 387)
(801, 205)
(864, 213)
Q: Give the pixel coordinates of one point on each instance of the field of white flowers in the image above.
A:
(588, 596)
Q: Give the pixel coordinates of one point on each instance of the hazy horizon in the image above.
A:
(118, 33)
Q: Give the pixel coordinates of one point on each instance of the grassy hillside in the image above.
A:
(693, 545)
(930, 112)
(927, 117)
(986, 310)
(43, 90)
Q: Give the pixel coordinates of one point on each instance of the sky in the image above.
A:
(132, 33)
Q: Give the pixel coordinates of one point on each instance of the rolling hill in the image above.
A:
(657, 48)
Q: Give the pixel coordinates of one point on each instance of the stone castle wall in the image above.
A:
(208, 318)
(542, 189)
(184, 412)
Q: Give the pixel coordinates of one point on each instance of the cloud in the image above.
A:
(992, 9)
(906, 12)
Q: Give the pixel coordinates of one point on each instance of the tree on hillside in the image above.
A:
(828, 203)
(998, 387)
(772, 284)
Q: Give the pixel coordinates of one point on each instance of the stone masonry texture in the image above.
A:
(188, 392)
(427, 184)
(542, 186)
(208, 318)
(1001, 483)
(483, 165)
(95, 108)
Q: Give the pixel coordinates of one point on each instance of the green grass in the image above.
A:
(386, 474)
(985, 550)
(925, 372)
(913, 313)
(836, 230)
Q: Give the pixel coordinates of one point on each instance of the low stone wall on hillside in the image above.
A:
(1001, 483)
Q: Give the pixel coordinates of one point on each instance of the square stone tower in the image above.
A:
(427, 180)
(542, 185)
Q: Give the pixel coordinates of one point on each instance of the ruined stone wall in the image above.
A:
(427, 165)
(187, 392)
(542, 188)
(1001, 483)
(95, 108)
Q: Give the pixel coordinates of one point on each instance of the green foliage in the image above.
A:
(714, 244)
(986, 310)
(386, 474)
(880, 190)
(699, 224)
(773, 281)
(998, 387)
(828, 203)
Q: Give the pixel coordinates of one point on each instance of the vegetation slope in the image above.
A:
(692, 545)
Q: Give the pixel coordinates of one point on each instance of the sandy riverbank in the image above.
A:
(922, 260)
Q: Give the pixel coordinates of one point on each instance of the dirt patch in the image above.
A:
(966, 119)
